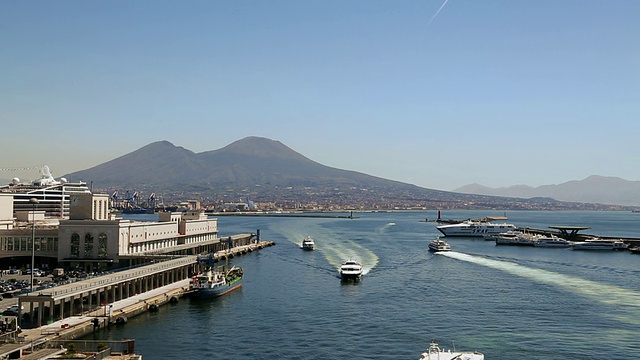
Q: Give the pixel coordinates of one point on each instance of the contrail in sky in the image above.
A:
(437, 12)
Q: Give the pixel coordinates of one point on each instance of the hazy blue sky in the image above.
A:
(492, 92)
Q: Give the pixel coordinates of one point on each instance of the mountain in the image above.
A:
(266, 170)
(247, 162)
(252, 166)
(593, 189)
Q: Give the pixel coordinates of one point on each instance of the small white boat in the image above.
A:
(439, 245)
(436, 353)
(308, 243)
(599, 244)
(551, 241)
(518, 238)
(351, 270)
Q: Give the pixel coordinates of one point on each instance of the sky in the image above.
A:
(494, 92)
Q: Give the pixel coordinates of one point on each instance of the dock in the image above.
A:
(83, 307)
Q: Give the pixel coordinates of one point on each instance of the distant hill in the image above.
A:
(593, 189)
(266, 170)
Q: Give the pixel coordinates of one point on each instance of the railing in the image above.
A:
(114, 279)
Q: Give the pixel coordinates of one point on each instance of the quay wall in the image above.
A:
(124, 309)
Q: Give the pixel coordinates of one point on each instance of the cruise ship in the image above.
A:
(53, 195)
(472, 228)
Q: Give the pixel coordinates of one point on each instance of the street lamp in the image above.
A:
(33, 202)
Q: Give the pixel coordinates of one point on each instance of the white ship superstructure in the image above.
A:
(472, 228)
(53, 195)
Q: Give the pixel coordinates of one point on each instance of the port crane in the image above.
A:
(131, 201)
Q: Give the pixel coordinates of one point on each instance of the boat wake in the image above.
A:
(333, 247)
(604, 293)
(341, 250)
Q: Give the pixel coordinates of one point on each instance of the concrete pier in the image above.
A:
(73, 310)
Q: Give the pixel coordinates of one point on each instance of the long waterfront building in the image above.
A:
(93, 239)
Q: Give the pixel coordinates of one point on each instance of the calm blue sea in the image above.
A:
(507, 302)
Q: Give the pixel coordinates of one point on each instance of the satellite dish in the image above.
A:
(63, 180)
(15, 181)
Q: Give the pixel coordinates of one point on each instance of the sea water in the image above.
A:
(507, 302)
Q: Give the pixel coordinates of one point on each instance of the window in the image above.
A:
(88, 246)
(75, 245)
(102, 245)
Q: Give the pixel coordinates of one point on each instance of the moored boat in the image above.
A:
(436, 353)
(551, 241)
(599, 244)
(518, 238)
(439, 245)
(475, 228)
(213, 283)
(216, 282)
(308, 243)
(351, 270)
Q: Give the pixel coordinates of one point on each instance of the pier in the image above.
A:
(68, 312)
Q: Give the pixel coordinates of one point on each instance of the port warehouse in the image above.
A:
(137, 256)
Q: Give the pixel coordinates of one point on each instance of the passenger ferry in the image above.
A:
(351, 270)
(308, 243)
(471, 228)
(551, 241)
(599, 244)
(439, 245)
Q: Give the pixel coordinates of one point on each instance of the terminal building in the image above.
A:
(65, 225)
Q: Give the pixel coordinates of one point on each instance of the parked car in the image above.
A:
(12, 310)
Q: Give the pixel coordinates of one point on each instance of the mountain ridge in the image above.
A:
(267, 170)
(592, 189)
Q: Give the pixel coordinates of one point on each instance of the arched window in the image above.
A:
(75, 245)
(88, 246)
(102, 245)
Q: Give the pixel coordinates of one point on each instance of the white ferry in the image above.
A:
(551, 241)
(351, 270)
(516, 238)
(439, 245)
(599, 244)
(473, 228)
(308, 243)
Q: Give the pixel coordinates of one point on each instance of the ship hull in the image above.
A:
(215, 292)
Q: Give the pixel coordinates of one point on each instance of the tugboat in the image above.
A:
(308, 243)
(351, 270)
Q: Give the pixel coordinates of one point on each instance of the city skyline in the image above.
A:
(439, 94)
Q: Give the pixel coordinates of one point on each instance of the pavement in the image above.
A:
(44, 332)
